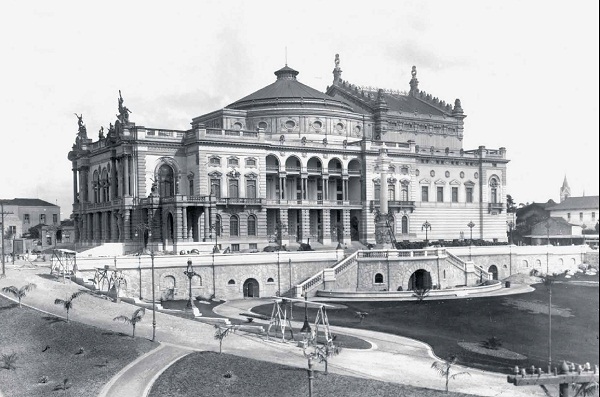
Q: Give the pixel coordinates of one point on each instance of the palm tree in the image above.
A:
(221, 333)
(68, 304)
(135, 318)
(443, 369)
(19, 293)
(9, 361)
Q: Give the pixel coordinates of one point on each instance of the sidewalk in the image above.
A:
(392, 359)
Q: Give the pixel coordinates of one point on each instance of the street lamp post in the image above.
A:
(470, 225)
(426, 226)
(511, 226)
(217, 229)
(547, 224)
(190, 273)
(305, 330)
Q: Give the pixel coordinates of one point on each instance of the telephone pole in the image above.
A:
(2, 214)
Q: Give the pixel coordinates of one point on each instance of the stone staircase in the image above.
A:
(308, 286)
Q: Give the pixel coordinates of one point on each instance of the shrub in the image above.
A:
(492, 343)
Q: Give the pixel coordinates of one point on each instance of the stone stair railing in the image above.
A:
(315, 281)
(456, 261)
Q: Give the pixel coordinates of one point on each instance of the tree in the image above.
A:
(420, 294)
(510, 204)
(221, 333)
(135, 318)
(444, 368)
(19, 293)
(323, 353)
(361, 316)
(68, 303)
(9, 361)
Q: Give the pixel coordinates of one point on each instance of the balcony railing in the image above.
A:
(495, 207)
(403, 205)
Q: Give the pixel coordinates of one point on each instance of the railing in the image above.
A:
(292, 169)
(456, 261)
(243, 201)
(345, 263)
(272, 168)
(495, 207)
(337, 171)
(315, 169)
(354, 172)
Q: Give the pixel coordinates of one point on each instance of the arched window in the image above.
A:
(104, 186)
(252, 225)
(404, 224)
(494, 190)
(270, 280)
(525, 263)
(231, 282)
(166, 181)
(538, 263)
(379, 278)
(376, 191)
(96, 187)
(234, 226)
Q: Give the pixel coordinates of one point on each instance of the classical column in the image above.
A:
(346, 224)
(304, 186)
(345, 188)
(326, 188)
(184, 223)
(127, 225)
(75, 190)
(326, 226)
(126, 176)
(113, 179)
(305, 216)
(283, 219)
(114, 227)
(84, 226)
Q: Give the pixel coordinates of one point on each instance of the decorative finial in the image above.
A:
(414, 83)
(457, 107)
(337, 71)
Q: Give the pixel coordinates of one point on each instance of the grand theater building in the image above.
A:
(290, 164)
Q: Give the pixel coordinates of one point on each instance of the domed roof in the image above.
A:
(286, 91)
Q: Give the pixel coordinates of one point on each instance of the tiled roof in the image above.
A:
(287, 88)
(28, 202)
(577, 203)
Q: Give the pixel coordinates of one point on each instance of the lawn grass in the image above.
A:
(222, 375)
(444, 323)
(28, 332)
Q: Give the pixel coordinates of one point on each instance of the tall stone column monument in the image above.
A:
(384, 237)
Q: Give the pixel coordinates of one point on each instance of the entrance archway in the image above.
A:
(421, 279)
(493, 270)
(251, 288)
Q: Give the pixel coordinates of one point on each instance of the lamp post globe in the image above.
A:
(426, 226)
(190, 273)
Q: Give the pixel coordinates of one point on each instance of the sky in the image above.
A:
(526, 73)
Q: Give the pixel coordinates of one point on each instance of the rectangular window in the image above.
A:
(454, 194)
(43, 219)
(440, 194)
(235, 248)
(568, 216)
(404, 194)
(251, 188)
(253, 246)
(581, 216)
(233, 162)
(391, 193)
(215, 161)
(250, 163)
(424, 193)
(26, 218)
(469, 192)
(12, 230)
(55, 218)
(233, 188)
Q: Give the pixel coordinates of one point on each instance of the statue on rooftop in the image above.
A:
(123, 115)
(101, 133)
(82, 132)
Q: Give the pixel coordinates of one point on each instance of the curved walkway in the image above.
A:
(394, 359)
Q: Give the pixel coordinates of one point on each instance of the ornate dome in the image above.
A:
(287, 91)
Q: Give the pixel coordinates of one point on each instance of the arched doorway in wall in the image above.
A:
(493, 271)
(168, 288)
(421, 279)
(251, 288)
(170, 228)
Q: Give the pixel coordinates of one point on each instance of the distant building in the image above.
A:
(555, 231)
(581, 211)
(29, 212)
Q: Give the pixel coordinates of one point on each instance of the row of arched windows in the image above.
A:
(234, 225)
